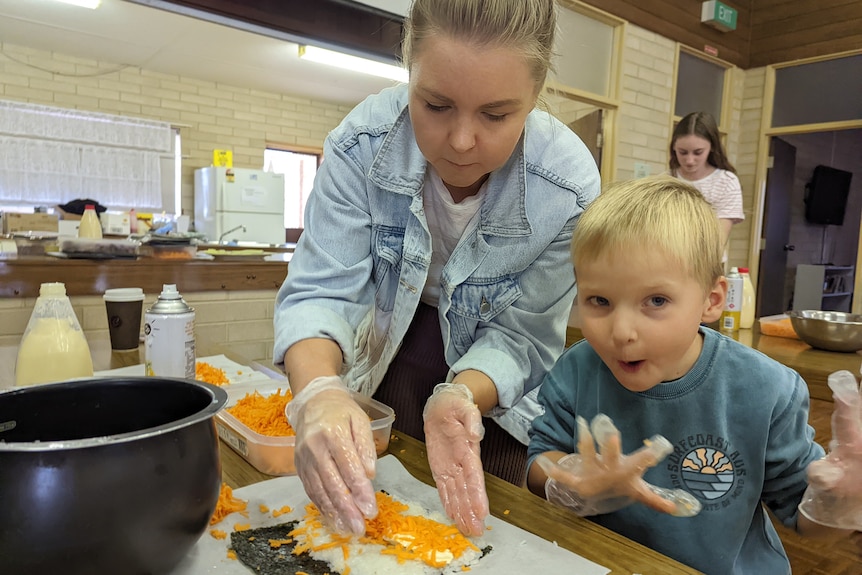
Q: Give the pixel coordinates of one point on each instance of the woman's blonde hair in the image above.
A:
(525, 25)
(659, 213)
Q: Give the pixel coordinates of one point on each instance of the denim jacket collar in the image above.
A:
(399, 167)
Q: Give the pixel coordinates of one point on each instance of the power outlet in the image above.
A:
(641, 170)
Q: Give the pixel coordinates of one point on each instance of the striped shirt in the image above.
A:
(722, 190)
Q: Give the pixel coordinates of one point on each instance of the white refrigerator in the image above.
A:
(239, 204)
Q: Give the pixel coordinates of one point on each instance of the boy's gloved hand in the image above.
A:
(593, 483)
(453, 430)
(334, 454)
(834, 494)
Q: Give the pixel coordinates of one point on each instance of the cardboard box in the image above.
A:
(15, 222)
(115, 224)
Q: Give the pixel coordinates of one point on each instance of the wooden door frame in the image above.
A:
(762, 166)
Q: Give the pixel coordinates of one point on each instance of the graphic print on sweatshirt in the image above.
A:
(707, 466)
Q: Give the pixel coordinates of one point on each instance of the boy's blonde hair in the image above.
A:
(659, 213)
(524, 25)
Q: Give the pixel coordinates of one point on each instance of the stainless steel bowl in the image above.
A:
(112, 475)
(829, 330)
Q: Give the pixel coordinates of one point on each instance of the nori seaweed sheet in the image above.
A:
(262, 558)
(252, 548)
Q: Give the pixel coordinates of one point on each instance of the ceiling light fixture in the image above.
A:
(355, 63)
(91, 4)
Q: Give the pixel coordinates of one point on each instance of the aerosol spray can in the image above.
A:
(733, 304)
(169, 330)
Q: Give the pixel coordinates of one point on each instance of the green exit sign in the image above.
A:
(718, 15)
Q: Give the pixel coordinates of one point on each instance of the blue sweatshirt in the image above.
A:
(738, 422)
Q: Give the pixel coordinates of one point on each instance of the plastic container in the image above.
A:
(53, 347)
(274, 455)
(746, 316)
(733, 304)
(90, 226)
(777, 326)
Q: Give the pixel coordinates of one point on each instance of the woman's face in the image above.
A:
(468, 106)
(692, 153)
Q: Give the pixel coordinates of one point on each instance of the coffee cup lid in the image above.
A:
(124, 294)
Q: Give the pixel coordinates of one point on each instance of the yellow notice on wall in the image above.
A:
(223, 158)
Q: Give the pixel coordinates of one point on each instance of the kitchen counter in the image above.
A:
(507, 502)
(22, 276)
(814, 365)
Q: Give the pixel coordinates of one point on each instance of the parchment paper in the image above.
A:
(238, 375)
(515, 550)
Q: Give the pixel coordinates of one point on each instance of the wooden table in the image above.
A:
(525, 510)
(814, 365)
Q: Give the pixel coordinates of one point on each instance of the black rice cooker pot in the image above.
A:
(108, 475)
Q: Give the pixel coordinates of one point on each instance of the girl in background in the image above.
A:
(697, 157)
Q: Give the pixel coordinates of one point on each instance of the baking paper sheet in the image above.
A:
(237, 374)
(515, 550)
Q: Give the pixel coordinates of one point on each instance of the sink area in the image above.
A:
(245, 245)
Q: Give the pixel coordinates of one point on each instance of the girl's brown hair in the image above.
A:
(703, 125)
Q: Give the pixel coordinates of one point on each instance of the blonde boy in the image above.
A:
(647, 256)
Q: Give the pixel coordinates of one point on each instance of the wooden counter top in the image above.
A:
(21, 277)
(814, 365)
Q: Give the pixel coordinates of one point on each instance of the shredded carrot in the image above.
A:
(505, 512)
(264, 414)
(283, 511)
(276, 543)
(406, 537)
(210, 374)
(218, 533)
(242, 526)
(231, 554)
(227, 504)
(264, 508)
(780, 328)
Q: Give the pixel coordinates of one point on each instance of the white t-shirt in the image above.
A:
(722, 190)
(446, 222)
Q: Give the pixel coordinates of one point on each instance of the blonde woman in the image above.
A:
(432, 271)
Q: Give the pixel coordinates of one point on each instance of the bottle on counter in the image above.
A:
(53, 347)
(746, 316)
(733, 304)
(169, 336)
(90, 226)
(133, 221)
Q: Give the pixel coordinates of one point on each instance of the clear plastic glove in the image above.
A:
(453, 430)
(834, 494)
(334, 453)
(593, 483)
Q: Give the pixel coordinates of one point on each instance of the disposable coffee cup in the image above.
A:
(124, 307)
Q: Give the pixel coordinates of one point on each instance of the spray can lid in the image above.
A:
(169, 291)
(170, 301)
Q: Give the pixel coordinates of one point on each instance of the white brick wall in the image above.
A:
(217, 116)
(645, 114)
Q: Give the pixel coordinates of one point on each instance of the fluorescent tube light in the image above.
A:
(91, 4)
(355, 63)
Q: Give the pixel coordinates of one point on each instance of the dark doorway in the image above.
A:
(776, 229)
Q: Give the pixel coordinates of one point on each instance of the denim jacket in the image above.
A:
(360, 265)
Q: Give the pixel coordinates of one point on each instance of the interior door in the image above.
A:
(776, 229)
(589, 129)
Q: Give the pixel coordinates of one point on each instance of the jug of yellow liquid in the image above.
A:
(53, 347)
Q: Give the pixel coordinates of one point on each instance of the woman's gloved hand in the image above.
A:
(453, 430)
(834, 494)
(593, 483)
(334, 454)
